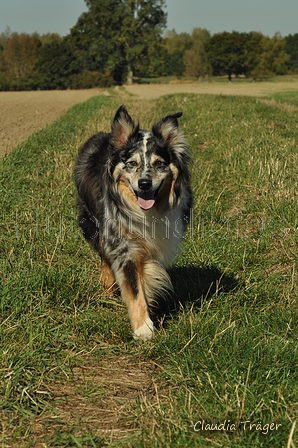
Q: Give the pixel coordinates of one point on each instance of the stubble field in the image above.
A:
(22, 113)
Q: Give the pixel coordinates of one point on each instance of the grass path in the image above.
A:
(226, 354)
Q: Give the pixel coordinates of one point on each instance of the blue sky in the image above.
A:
(58, 16)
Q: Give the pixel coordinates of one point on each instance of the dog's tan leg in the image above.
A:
(132, 292)
(141, 323)
(107, 277)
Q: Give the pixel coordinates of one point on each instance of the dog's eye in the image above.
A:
(159, 164)
(131, 164)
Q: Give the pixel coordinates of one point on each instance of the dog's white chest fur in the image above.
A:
(164, 233)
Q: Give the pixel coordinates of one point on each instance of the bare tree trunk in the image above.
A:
(129, 78)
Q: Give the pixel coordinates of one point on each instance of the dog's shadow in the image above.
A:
(192, 284)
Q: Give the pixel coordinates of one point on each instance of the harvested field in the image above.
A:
(151, 91)
(22, 113)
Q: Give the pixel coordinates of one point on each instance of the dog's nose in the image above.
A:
(145, 184)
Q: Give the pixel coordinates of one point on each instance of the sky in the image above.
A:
(58, 16)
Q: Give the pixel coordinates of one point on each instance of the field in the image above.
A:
(23, 113)
(278, 86)
(222, 370)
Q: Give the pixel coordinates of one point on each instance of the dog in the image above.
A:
(135, 201)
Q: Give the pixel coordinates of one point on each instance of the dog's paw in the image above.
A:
(146, 331)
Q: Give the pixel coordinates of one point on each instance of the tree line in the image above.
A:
(115, 40)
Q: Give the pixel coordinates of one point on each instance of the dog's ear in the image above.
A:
(167, 128)
(123, 127)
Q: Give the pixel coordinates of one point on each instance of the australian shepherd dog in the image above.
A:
(134, 201)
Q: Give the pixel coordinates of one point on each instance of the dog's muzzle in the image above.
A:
(146, 198)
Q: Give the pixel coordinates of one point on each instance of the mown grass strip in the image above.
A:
(226, 354)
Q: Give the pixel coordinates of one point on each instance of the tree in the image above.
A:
(5, 36)
(56, 65)
(94, 37)
(195, 59)
(226, 52)
(253, 51)
(20, 55)
(291, 48)
(176, 45)
(1, 58)
(251, 54)
(153, 61)
(266, 56)
(143, 23)
(115, 35)
(177, 42)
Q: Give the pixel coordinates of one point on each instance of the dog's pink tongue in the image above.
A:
(147, 201)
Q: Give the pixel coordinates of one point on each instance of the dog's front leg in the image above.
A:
(129, 279)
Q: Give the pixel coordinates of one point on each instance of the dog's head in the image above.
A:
(148, 168)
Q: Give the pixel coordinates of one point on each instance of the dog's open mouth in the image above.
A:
(146, 199)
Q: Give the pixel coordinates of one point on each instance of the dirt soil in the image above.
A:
(22, 113)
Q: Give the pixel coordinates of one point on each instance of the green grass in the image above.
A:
(71, 373)
(168, 79)
(155, 80)
(286, 97)
(215, 79)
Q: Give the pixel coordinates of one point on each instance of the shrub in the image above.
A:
(88, 79)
